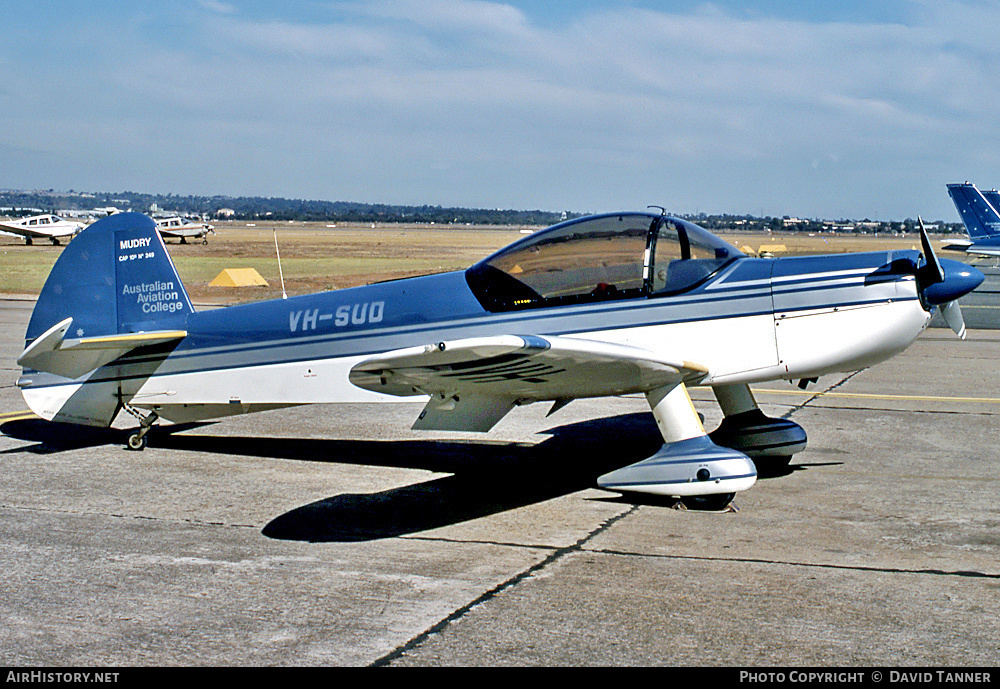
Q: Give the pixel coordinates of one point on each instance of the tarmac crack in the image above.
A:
(831, 388)
(556, 554)
(136, 517)
(972, 574)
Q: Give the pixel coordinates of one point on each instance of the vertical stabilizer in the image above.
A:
(114, 277)
(980, 217)
(993, 198)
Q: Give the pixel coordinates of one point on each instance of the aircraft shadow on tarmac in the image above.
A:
(50, 438)
(484, 477)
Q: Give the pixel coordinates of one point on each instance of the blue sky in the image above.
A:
(840, 109)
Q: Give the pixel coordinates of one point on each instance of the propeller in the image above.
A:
(941, 283)
(931, 273)
(952, 314)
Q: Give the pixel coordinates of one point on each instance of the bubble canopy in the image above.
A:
(599, 258)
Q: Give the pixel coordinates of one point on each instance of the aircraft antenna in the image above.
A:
(663, 211)
(280, 273)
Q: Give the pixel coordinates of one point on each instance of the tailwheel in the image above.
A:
(708, 503)
(137, 441)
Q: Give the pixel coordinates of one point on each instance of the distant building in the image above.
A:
(225, 213)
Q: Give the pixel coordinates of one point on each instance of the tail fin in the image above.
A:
(993, 198)
(115, 277)
(980, 217)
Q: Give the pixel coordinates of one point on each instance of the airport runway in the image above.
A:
(333, 535)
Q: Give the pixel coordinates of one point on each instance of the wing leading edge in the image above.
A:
(474, 382)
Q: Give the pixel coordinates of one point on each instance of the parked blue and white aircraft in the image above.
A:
(597, 306)
(979, 211)
(50, 227)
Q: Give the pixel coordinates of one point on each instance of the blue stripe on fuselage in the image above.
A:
(376, 318)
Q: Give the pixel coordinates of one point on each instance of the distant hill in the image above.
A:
(19, 202)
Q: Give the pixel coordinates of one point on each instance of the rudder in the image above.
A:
(114, 277)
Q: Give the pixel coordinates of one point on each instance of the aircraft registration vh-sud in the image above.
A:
(604, 305)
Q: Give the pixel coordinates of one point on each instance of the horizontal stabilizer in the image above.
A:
(53, 352)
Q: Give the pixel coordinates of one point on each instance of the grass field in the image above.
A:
(316, 257)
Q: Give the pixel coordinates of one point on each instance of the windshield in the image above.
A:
(628, 255)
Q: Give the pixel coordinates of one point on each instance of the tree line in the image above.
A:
(15, 202)
(271, 208)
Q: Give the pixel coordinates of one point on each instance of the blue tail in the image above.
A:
(993, 198)
(114, 277)
(979, 215)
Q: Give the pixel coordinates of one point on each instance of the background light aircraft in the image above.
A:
(979, 211)
(50, 227)
(597, 306)
(183, 229)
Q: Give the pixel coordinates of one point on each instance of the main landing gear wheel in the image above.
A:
(708, 503)
(137, 441)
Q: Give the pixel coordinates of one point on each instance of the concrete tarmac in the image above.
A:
(333, 535)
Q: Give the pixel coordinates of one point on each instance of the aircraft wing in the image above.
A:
(180, 232)
(34, 234)
(992, 251)
(975, 249)
(957, 244)
(53, 352)
(474, 382)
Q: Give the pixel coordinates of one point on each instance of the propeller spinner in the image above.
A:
(942, 282)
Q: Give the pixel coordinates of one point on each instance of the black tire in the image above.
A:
(709, 503)
(772, 466)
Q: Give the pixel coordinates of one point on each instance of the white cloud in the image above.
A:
(614, 107)
(217, 7)
(452, 16)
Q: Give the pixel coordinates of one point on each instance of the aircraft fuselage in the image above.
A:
(757, 320)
